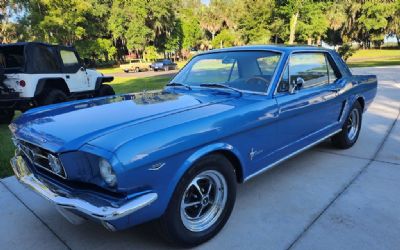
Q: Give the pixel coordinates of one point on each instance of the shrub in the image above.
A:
(346, 51)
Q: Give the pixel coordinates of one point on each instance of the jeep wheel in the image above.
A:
(6, 116)
(126, 70)
(105, 90)
(202, 202)
(53, 96)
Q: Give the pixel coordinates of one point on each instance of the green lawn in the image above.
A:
(375, 57)
(110, 70)
(120, 85)
(117, 69)
(6, 151)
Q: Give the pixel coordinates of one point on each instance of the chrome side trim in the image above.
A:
(103, 213)
(289, 156)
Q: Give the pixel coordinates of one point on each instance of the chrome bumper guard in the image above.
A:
(62, 200)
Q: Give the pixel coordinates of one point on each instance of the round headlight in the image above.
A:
(107, 173)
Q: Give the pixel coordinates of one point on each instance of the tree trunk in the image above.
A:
(309, 40)
(293, 24)
(398, 40)
(319, 41)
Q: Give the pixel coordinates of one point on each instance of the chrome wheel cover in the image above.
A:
(353, 124)
(203, 201)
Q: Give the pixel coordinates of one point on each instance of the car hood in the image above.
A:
(67, 126)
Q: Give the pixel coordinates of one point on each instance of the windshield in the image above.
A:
(243, 70)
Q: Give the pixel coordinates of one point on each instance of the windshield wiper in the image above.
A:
(220, 85)
(175, 84)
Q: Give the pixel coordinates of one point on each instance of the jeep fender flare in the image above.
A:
(102, 79)
(61, 84)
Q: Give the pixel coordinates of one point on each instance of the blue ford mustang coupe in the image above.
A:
(176, 155)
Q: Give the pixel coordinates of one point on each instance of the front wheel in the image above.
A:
(201, 203)
(105, 90)
(350, 130)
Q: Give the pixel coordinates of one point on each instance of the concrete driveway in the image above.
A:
(322, 199)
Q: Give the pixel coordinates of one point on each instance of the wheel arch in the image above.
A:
(227, 150)
(361, 100)
(54, 82)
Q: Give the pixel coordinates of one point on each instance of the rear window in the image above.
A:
(42, 59)
(12, 58)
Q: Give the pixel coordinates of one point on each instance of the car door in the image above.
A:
(311, 109)
(74, 74)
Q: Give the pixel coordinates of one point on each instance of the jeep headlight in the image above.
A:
(107, 173)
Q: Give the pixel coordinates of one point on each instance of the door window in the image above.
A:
(333, 76)
(311, 67)
(314, 68)
(70, 61)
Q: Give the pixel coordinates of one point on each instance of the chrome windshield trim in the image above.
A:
(103, 213)
(265, 93)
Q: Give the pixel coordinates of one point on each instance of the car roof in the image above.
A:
(279, 48)
(31, 43)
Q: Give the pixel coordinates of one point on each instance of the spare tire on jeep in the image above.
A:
(105, 90)
(52, 96)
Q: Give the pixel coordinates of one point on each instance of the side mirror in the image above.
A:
(297, 84)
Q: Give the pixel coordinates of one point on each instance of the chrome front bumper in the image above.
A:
(64, 201)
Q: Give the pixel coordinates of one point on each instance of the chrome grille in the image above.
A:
(37, 156)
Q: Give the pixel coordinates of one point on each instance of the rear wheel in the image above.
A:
(105, 90)
(53, 96)
(350, 130)
(201, 203)
(6, 116)
(126, 70)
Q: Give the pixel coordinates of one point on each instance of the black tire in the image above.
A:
(126, 70)
(105, 90)
(171, 224)
(6, 116)
(348, 137)
(52, 96)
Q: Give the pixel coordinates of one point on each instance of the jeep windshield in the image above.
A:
(240, 70)
(12, 58)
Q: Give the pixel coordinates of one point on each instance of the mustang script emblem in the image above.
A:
(253, 153)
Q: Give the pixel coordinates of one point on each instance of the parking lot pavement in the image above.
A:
(322, 199)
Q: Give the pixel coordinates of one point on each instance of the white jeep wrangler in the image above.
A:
(35, 74)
